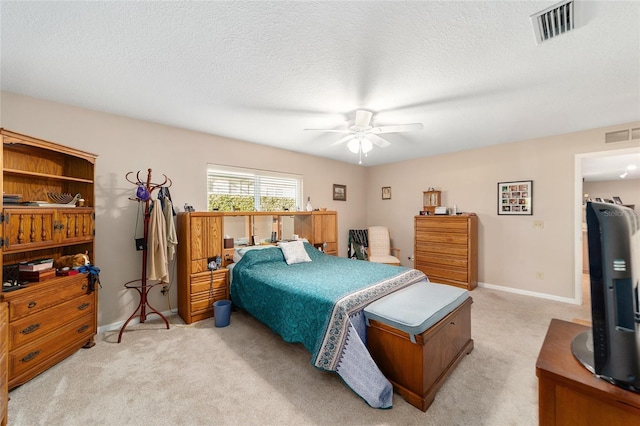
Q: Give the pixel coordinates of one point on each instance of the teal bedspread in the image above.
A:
(312, 302)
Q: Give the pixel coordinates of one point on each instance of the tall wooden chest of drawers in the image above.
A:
(200, 235)
(446, 249)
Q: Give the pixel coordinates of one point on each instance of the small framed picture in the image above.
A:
(598, 200)
(386, 192)
(515, 198)
(340, 192)
(617, 200)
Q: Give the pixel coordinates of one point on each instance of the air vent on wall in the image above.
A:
(622, 135)
(553, 21)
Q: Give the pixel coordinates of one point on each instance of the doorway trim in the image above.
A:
(577, 202)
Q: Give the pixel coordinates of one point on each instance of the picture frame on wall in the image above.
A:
(340, 192)
(386, 192)
(515, 198)
(617, 200)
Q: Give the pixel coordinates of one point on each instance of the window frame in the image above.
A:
(261, 180)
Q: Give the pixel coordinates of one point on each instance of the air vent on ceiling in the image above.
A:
(553, 21)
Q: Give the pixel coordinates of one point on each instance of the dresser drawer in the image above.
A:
(442, 260)
(438, 274)
(443, 224)
(33, 326)
(436, 237)
(39, 351)
(203, 301)
(32, 302)
(429, 250)
(202, 282)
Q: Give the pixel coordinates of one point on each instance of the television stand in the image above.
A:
(569, 394)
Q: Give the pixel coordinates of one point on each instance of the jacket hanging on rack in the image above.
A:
(172, 237)
(157, 244)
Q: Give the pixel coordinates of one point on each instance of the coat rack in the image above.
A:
(143, 195)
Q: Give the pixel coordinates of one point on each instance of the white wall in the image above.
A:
(512, 252)
(124, 145)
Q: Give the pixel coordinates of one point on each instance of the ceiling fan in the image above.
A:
(362, 136)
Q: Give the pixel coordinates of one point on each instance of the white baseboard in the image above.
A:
(136, 320)
(529, 293)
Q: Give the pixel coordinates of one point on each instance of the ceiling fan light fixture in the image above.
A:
(366, 145)
(354, 146)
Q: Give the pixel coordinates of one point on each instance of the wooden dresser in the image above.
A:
(568, 394)
(446, 249)
(50, 319)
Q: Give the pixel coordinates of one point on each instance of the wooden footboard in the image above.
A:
(418, 370)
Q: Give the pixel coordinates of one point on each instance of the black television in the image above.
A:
(611, 348)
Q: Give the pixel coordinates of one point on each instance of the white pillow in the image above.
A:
(294, 252)
(238, 253)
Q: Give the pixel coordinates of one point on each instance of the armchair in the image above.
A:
(379, 249)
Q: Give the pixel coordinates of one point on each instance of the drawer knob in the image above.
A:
(31, 328)
(31, 304)
(84, 306)
(84, 286)
(31, 355)
(83, 328)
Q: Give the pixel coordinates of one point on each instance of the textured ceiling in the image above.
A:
(471, 72)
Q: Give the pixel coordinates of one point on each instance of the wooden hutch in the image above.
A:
(50, 319)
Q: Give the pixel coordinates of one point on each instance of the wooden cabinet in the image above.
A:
(446, 249)
(430, 200)
(33, 228)
(4, 366)
(319, 228)
(568, 394)
(51, 319)
(201, 240)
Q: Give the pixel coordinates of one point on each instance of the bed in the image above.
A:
(318, 300)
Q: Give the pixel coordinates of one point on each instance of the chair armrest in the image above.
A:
(397, 250)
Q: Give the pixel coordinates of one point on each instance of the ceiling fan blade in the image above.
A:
(378, 141)
(330, 130)
(343, 140)
(397, 128)
(363, 118)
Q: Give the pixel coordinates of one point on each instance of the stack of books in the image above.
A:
(36, 270)
(11, 198)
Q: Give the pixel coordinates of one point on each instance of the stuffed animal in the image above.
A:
(72, 261)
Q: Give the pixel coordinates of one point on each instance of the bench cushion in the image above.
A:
(416, 308)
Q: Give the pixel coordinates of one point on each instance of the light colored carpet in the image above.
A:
(245, 374)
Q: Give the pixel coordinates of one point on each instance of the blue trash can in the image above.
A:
(222, 312)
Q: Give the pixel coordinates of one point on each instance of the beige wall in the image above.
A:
(124, 145)
(627, 189)
(512, 252)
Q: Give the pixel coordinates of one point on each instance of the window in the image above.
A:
(235, 188)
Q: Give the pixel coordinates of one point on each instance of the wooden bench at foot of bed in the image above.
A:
(417, 370)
